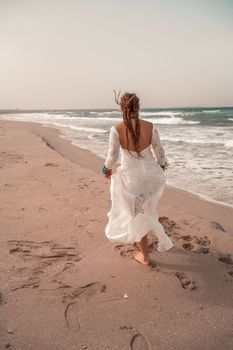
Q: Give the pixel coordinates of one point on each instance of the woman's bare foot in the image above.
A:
(140, 258)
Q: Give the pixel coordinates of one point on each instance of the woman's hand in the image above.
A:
(108, 175)
(164, 167)
(107, 172)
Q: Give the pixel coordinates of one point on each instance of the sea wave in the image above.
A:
(211, 111)
(190, 140)
(40, 116)
(231, 119)
(105, 113)
(172, 120)
(51, 117)
(160, 113)
(79, 128)
(196, 141)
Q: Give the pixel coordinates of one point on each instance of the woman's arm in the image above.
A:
(113, 149)
(158, 149)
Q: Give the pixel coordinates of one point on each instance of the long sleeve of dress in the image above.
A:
(157, 147)
(113, 149)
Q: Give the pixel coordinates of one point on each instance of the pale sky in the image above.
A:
(72, 53)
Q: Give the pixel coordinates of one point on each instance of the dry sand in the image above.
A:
(65, 286)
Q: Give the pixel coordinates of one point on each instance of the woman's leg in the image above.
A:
(143, 255)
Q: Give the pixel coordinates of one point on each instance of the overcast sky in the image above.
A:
(73, 53)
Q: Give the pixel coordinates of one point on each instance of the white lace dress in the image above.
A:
(135, 190)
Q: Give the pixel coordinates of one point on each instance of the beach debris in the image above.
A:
(126, 296)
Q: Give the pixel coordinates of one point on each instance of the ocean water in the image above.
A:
(198, 142)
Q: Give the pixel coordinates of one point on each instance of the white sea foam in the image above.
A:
(51, 117)
(231, 119)
(229, 143)
(100, 118)
(172, 120)
(192, 140)
(161, 113)
(212, 111)
(39, 116)
(79, 128)
(105, 113)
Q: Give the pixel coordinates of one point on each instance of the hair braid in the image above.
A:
(129, 103)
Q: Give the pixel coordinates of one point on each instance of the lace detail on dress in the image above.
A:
(138, 205)
(157, 147)
(113, 149)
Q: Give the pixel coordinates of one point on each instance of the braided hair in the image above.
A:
(129, 103)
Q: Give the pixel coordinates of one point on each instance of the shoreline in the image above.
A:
(53, 136)
(60, 277)
(171, 186)
(218, 193)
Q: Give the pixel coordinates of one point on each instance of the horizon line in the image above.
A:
(91, 109)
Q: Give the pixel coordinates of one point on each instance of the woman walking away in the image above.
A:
(138, 182)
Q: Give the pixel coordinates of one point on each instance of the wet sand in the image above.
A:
(65, 286)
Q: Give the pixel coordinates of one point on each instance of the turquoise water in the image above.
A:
(198, 142)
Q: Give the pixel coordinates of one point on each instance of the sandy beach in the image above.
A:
(63, 285)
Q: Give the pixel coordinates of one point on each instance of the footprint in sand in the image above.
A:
(217, 226)
(11, 157)
(139, 342)
(51, 164)
(85, 292)
(30, 282)
(71, 300)
(168, 225)
(227, 259)
(126, 250)
(41, 250)
(186, 283)
(129, 251)
(46, 258)
(71, 316)
(196, 244)
(26, 277)
(1, 299)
